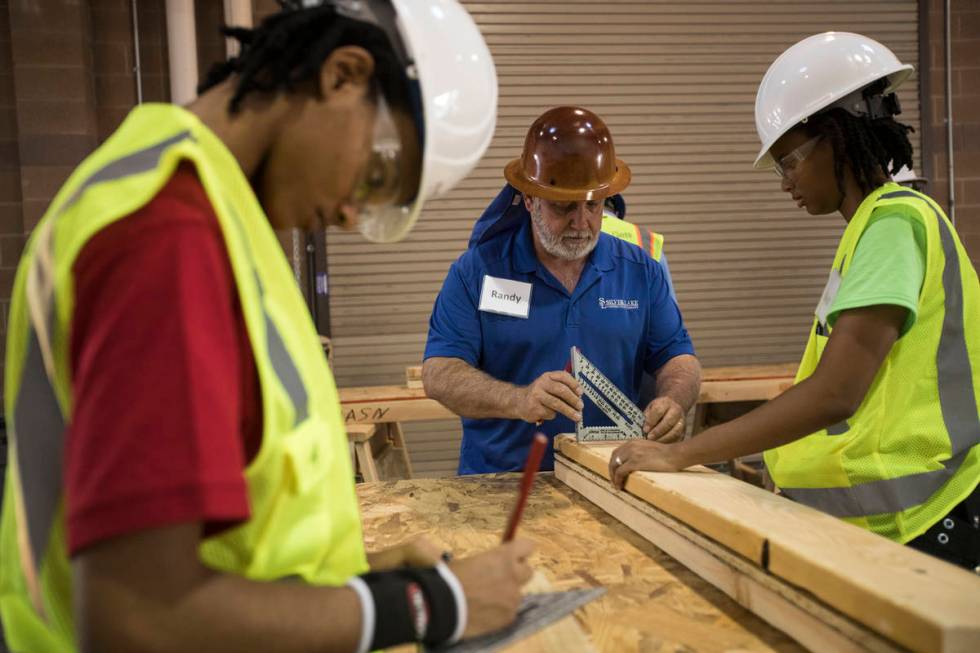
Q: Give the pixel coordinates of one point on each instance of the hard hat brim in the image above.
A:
(514, 173)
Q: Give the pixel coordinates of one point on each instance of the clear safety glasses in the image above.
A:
(788, 163)
(389, 183)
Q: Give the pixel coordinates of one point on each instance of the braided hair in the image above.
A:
(874, 148)
(290, 46)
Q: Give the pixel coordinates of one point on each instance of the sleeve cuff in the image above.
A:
(367, 612)
(457, 588)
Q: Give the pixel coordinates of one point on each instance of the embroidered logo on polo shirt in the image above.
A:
(625, 304)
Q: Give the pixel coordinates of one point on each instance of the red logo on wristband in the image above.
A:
(419, 609)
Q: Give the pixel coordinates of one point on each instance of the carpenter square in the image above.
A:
(615, 405)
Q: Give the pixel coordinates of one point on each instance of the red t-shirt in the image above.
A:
(166, 399)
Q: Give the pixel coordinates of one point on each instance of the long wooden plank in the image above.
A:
(913, 599)
(809, 622)
(713, 392)
(378, 404)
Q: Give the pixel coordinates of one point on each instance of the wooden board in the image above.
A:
(745, 383)
(910, 598)
(796, 613)
(369, 404)
(652, 603)
(379, 404)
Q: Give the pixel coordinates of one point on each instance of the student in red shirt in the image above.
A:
(329, 113)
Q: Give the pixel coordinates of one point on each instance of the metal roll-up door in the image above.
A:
(676, 83)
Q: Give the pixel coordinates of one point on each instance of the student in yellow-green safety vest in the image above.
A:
(882, 427)
(179, 473)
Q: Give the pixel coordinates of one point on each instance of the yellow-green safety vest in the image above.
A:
(910, 453)
(304, 517)
(648, 241)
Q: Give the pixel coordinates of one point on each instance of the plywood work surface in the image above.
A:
(912, 599)
(652, 602)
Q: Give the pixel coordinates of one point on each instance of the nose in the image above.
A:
(580, 217)
(347, 217)
(785, 184)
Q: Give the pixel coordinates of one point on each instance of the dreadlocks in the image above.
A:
(289, 47)
(874, 148)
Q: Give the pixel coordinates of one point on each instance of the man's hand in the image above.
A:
(417, 552)
(492, 583)
(550, 394)
(664, 420)
(643, 456)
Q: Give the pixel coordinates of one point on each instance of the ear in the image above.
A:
(528, 203)
(346, 69)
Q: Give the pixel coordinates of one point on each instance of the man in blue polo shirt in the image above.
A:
(529, 289)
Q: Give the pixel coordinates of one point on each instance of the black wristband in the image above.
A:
(410, 605)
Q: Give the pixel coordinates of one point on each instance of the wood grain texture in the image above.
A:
(913, 599)
(796, 613)
(653, 603)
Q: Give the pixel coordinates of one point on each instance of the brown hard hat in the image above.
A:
(568, 155)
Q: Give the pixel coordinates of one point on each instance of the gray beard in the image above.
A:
(555, 246)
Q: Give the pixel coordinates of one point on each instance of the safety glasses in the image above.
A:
(788, 163)
(386, 190)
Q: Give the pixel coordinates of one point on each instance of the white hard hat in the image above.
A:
(456, 82)
(821, 71)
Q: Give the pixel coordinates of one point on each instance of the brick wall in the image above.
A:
(11, 220)
(66, 81)
(965, 59)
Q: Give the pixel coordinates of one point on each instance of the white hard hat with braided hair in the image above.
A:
(819, 73)
(452, 76)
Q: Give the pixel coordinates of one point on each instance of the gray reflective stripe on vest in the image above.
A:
(956, 400)
(39, 434)
(282, 362)
(840, 428)
(132, 164)
(38, 426)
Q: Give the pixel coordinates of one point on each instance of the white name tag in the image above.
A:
(505, 296)
(829, 295)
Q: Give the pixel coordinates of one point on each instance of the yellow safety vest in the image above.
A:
(648, 241)
(910, 453)
(304, 517)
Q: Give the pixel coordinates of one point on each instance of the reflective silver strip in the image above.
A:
(840, 428)
(132, 164)
(957, 404)
(282, 362)
(283, 365)
(38, 429)
(38, 425)
(877, 497)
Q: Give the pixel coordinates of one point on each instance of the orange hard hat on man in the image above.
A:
(568, 156)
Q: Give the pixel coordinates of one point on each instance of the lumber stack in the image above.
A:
(830, 585)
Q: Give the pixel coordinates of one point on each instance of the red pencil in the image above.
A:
(538, 446)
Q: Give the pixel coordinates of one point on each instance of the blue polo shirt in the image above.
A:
(621, 315)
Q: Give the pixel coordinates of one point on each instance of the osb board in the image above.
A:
(910, 598)
(652, 603)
